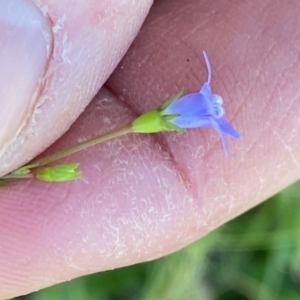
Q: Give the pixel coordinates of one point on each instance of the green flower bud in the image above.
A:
(59, 173)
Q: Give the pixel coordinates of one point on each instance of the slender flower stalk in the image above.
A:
(64, 153)
(13, 177)
(201, 109)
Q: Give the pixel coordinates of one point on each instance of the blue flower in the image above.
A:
(202, 109)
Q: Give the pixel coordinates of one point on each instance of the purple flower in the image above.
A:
(203, 109)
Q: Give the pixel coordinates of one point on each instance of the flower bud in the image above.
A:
(59, 173)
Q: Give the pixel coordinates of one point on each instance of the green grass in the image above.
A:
(256, 256)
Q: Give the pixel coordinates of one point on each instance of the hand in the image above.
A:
(142, 196)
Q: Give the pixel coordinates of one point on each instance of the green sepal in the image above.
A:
(149, 122)
(169, 126)
(172, 127)
(59, 173)
(171, 100)
(154, 121)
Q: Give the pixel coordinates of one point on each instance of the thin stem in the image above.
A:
(58, 155)
(16, 176)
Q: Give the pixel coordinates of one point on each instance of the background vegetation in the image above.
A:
(256, 256)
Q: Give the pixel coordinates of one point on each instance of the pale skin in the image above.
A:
(145, 196)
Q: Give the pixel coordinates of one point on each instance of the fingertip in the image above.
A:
(83, 53)
(25, 41)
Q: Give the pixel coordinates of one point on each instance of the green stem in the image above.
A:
(61, 154)
(16, 176)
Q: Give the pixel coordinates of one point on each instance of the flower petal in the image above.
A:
(206, 90)
(215, 124)
(191, 121)
(191, 105)
(228, 129)
(209, 72)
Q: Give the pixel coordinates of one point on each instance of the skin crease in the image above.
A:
(145, 196)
